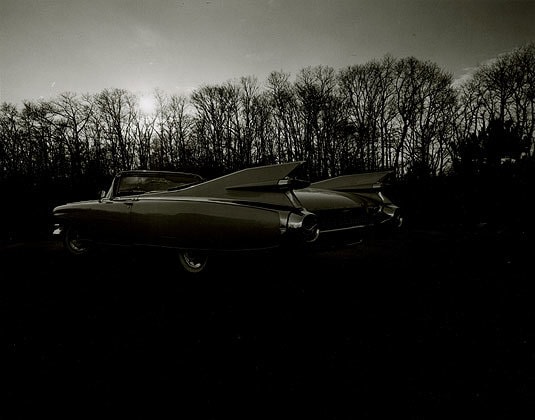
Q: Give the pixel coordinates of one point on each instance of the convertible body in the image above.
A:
(253, 209)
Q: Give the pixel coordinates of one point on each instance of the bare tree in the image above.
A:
(323, 121)
(263, 147)
(173, 133)
(37, 139)
(11, 149)
(368, 96)
(211, 123)
(245, 121)
(425, 103)
(523, 62)
(143, 130)
(117, 111)
(287, 121)
(502, 92)
(70, 118)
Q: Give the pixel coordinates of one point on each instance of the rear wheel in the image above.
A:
(193, 262)
(74, 243)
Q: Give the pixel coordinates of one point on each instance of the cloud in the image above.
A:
(468, 72)
(466, 75)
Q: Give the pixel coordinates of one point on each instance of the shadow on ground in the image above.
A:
(423, 325)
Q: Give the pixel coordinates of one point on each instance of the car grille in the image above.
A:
(341, 218)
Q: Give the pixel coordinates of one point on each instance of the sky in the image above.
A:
(49, 47)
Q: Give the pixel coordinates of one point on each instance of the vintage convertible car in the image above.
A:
(259, 208)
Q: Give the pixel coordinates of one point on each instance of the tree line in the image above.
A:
(401, 114)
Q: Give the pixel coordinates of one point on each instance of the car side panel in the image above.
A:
(110, 221)
(204, 224)
(105, 221)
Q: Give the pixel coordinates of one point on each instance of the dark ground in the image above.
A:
(423, 325)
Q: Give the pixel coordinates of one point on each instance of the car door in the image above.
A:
(111, 220)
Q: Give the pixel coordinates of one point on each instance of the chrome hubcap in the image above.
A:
(194, 261)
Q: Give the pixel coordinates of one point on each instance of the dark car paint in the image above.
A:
(255, 208)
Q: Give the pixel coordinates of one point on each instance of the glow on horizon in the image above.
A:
(147, 105)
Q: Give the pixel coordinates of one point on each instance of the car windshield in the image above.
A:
(140, 184)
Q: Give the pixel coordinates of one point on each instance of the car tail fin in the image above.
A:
(275, 177)
(369, 181)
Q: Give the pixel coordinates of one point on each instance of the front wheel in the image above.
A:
(193, 262)
(74, 243)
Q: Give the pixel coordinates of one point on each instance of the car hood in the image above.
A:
(74, 205)
(315, 199)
